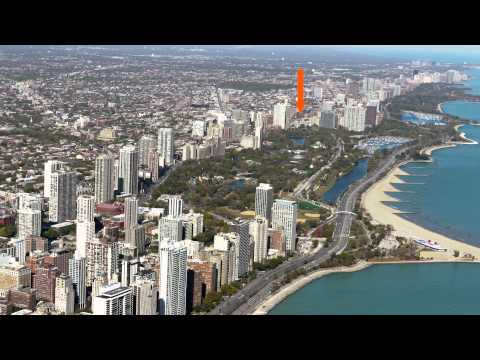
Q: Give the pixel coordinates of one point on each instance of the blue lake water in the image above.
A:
(298, 141)
(342, 184)
(443, 196)
(464, 109)
(390, 289)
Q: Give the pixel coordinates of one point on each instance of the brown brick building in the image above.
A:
(33, 243)
(25, 298)
(44, 282)
(276, 240)
(59, 258)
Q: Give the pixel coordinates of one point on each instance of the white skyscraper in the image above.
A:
(50, 167)
(354, 118)
(145, 292)
(102, 259)
(230, 243)
(171, 228)
(61, 202)
(258, 139)
(30, 201)
(64, 295)
(29, 223)
(165, 146)
(113, 299)
(173, 278)
(85, 229)
(104, 178)
(77, 269)
(175, 205)
(259, 234)
(85, 208)
(284, 217)
(128, 171)
(198, 128)
(280, 115)
(264, 201)
(193, 224)
(134, 233)
(131, 212)
(145, 145)
(116, 174)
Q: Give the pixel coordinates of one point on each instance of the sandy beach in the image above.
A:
(372, 202)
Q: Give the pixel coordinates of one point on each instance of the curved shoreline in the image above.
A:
(267, 306)
(384, 214)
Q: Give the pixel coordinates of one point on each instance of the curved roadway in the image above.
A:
(257, 289)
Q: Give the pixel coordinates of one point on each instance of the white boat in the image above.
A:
(430, 244)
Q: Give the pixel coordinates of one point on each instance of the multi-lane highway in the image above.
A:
(246, 299)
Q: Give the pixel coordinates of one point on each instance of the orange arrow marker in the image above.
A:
(300, 102)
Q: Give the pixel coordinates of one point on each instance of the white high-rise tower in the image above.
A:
(29, 223)
(50, 167)
(85, 222)
(145, 145)
(259, 233)
(173, 278)
(175, 205)
(61, 204)
(165, 146)
(284, 217)
(128, 172)
(77, 269)
(264, 201)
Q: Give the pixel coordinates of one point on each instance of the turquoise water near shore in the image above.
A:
(443, 196)
(390, 289)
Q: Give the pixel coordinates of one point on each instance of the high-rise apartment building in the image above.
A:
(171, 228)
(85, 229)
(113, 299)
(128, 170)
(30, 201)
(259, 234)
(193, 224)
(29, 222)
(64, 295)
(44, 281)
(152, 164)
(281, 115)
(50, 167)
(242, 228)
(145, 296)
(145, 145)
(61, 204)
(77, 270)
(102, 259)
(264, 201)
(175, 205)
(354, 118)
(230, 243)
(327, 119)
(284, 217)
(165, 146)
(173, 278)
(131, 212)
(104, 178)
